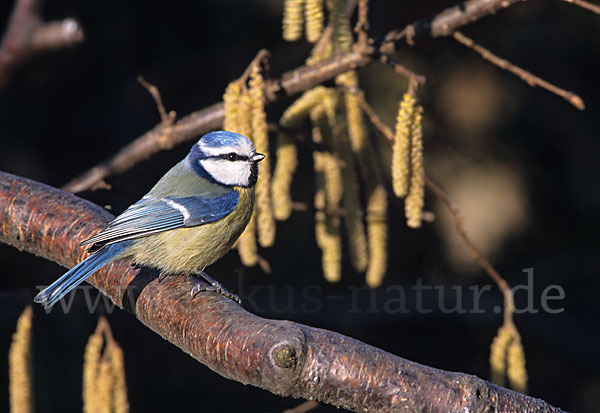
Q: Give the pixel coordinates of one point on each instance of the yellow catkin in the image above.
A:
(356, 124)
(320, 52)
(243, 124)
(292, 20)
(333, 181)
(342, 34)
(313, 15)
(413, 206)
(377, 235)
(323, 118)
(91, 365)
(246, 244)
(20, 365)
(231, 99)
(326, 226)
(376, 195)
(401, 150)
(331, 246)
(328, 191)
(515, 370)
(299, 110)
(119, 391)
(282, 177)
(104, 386)
(104, 382)
(265, 221)
(353, 220)
(498, 351)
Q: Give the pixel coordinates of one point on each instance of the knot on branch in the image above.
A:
(476, 394)
(284, 356)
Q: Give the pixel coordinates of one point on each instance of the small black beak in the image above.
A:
(257, 157)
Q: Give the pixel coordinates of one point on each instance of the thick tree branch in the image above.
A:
(26, 35)
(283, 357)
(295, 81)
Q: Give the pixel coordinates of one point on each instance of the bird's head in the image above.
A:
(228, 158)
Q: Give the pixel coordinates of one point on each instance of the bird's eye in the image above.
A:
(232, 156)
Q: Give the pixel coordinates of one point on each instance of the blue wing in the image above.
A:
(151, 215)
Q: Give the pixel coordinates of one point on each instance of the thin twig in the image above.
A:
(262, 57)
(263, 264)
(330, 211)
(383, 129)
(585, 4)
(528, 77)
(388, 134)
(166, 119)
(362, 22)
(305, 407)
(509, 305)
(414, 78)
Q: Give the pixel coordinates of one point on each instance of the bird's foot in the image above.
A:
(162, 276)
(214, 286)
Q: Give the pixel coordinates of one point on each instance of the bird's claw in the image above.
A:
(214, 286)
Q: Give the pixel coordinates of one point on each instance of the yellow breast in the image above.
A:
(189, 250)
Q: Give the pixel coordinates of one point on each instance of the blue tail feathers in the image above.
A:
(76, 275)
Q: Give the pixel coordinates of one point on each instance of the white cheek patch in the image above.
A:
(227, 172)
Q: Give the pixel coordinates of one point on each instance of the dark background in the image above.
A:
(66, 111)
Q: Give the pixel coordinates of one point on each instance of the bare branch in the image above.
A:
(56, 35)
(528, 77)
(295, 81)
(586, 5)
(283, 357)
(444, 23)
(26, 35)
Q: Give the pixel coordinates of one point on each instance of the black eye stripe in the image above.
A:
(226, 157)
(234, 157)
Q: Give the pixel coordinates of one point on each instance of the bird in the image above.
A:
(187, 221)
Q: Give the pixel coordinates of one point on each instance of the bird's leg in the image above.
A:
(213, 285)
(162, 276)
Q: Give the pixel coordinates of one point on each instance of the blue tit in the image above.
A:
(190, 219)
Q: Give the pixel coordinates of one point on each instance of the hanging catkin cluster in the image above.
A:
(338, 122)
(408, 173)
(297, 12)
(374, 189)
(104, 386)
(245, 114)
(507, 359)
(20, 366)
(286, 156)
